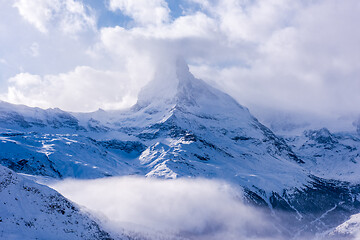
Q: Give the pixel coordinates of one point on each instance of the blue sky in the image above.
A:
(277, 55)
(108, 18)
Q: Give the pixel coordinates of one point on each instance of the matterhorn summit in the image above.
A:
(176, 86)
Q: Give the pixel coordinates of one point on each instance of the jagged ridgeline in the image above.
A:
(182, 127)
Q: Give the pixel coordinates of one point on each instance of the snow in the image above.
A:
(329, 155)
(180, 128)
(32, 211)
(51, 155)
(350, 229)
(189, 129)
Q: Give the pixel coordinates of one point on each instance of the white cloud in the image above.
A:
(37, 12)
(303, 56)
(3, 61)
(197, 25)
(178, 38)
(80, 90)
(25, 80)
(70, 16)
(26, 49)
(191, 208)
(143, 11)
(278, 54)
(34, 49)
(256, 21)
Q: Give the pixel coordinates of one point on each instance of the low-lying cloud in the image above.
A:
(169, 209)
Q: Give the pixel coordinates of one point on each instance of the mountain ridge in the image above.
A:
(30, 210)
(191, 130)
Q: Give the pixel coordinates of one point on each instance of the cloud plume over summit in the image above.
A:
(276, 54)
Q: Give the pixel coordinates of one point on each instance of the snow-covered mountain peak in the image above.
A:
(322, 136)
(183, 127)
(176, 87)
(162, 88)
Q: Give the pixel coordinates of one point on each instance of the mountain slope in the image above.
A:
(64, 155)
(192, 129)
(349, 230)
(200, 131)
(329, 155)
(181, 127)
(23, 117)
(32, 211)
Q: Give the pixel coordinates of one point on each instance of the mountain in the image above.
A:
(182, 127)
(192, 130)
(349, 230)
(23, 117)
(32, 211)
(329, 155)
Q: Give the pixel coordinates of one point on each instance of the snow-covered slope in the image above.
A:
(349, 230)
(329, 155)
(182, 127)
(23, 117)
(189, 129)
(66, 155)
(32, 211)
(199, 131)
